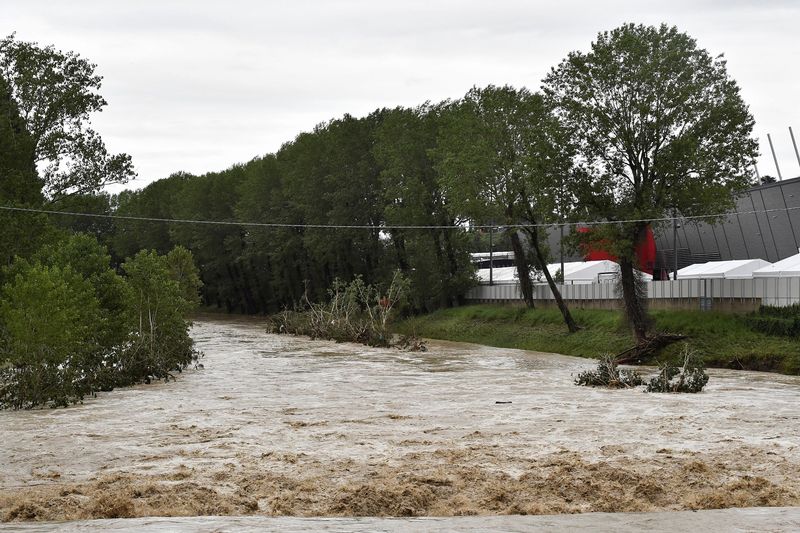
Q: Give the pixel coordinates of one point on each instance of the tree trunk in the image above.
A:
(633, 300)
(400, 250)
(453, 266)
(568, 320)
(523, 269)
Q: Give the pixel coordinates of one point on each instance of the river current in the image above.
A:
(279, 425)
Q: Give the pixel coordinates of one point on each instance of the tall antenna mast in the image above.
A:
(796, 153)
(774, 158)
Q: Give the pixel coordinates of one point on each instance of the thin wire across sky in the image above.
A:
(388, 226)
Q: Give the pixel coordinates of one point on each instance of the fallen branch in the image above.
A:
(651, 346)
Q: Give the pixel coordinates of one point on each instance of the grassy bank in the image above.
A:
(723, 340)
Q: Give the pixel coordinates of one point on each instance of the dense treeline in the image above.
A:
(374, 172)
(72, 321)
(594, 147)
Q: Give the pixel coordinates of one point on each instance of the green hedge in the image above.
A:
(783, 321)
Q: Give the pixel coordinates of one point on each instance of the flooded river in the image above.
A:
(278, 425)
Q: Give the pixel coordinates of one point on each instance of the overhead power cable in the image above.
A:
(389, 226)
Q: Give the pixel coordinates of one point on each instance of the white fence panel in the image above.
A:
(771, 291)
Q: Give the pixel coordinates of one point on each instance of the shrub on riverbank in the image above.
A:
(784, 321)
(71, 326)
(720, 340)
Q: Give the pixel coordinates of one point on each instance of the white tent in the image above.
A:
(738, 269)
(580, 272)
(499, 275)
(785, 268)
(575, 273)
(591, 272)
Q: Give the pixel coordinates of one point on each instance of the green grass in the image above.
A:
(722, 340)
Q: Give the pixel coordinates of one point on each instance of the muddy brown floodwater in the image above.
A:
(278, 425)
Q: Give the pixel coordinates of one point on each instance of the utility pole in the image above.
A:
(491, 255)
(774, 157)
(561, 245)
(674, 244)
(561, 220)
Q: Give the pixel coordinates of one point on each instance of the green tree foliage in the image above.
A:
(435, 260)
(68, 321)
(160, 342)
(501, 157)
(274, 257)
(183, 270)
(659, 124)
(331, 177)
(48, 316)
(71, 326)
(55, 93)
(217, 248)
(84, 255)
(96, 203)
(20, 186)
(157, 200)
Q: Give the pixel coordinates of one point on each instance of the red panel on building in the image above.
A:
(645, 251)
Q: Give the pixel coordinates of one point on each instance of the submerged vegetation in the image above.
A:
(354, 312)
(71, 326)
(690, 377)
(609, 375)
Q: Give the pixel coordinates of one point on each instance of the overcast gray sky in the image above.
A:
(200, 85)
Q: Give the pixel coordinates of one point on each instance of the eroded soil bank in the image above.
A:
(286, 426)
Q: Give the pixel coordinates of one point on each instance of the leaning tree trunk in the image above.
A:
(562, 306)
(634, 300)
(523, 268)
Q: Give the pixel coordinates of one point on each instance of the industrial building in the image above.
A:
(749, 257)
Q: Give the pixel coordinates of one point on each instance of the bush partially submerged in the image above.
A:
(354, 312)
(411, 343)
(608, 374)
(691, 377)
(71, 326)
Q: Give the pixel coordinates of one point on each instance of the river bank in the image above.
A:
(284, 426)
(723, 340)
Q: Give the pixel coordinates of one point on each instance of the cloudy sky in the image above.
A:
(198, 85)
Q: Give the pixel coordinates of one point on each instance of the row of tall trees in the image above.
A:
(374, 172)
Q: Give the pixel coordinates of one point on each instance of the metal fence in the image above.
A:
(768, 291)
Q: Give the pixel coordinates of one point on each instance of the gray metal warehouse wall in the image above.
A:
(742, 234)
